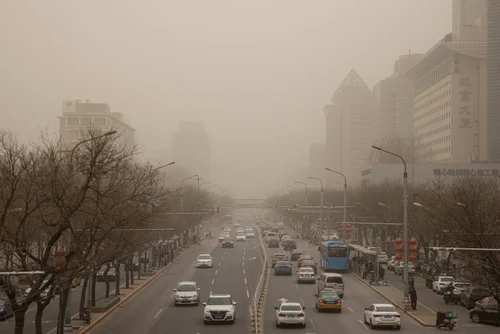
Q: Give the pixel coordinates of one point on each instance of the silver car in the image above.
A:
(306, 275)
(187, 293)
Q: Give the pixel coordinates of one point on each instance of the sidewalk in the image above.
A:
(423, 314)
(78, 325)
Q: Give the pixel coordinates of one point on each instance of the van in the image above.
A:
(332, 281)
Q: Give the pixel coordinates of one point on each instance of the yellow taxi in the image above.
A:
(76, 282)
(328, 299)
(302, 258)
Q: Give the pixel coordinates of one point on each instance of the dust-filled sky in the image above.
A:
(257, 72)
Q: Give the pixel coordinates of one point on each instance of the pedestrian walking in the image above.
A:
(381, 273)
(413, 298)
(364, 271)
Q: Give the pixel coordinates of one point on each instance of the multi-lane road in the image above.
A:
(236, 271)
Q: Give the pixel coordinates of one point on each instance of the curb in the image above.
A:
(414, 317)
(85, 329)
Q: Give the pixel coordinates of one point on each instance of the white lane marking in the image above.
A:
(246, 281)
(302, 302)
(219, 263)
(216, 271)
(243, 271)
(362, 324)
(243, 263)
(157, 314)
(248, 294)
(210, 293)
(173, 294)
(243, 257)
(222, 258)
(312, 323)
(296, 286)
(252, 258)
(213, 281)
(350, 309)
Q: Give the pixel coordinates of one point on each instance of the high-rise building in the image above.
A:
(78, 115)
(394, 96)
(349, 128)
(317, 159)
(191, 148)
(450, 120)
(468, 17)
(493, 80)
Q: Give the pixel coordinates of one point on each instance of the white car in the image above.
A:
(250, 234)
(241, 237)
(240, 230)
(204, 260)
(219, 308)
(398, 269)
(186, 292)
(289, 313)
(392, 263)
(442, 282)
(382, 315)
(383, 258)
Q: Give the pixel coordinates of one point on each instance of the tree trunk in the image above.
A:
(94, 283)
(127, 272)
(40, 307)
(19, 320)
(62, 309)
(106, 280)
(83, 296)
(117, 282)
(132, 271)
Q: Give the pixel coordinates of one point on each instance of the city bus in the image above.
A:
(334, 256)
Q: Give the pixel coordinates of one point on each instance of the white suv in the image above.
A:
(204, 260)
(219, 308)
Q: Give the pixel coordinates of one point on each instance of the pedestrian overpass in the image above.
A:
(250, 203)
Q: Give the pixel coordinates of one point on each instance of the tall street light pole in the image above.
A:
(322, 191)
(296, 194)
(68, 327)
(305, 185)
(182, 195)
(406, 289)
(345, 196)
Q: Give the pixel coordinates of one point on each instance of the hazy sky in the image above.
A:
(258, 72)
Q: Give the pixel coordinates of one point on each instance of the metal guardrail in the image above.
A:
(259, 295)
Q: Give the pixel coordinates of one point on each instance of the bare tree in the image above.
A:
(410, 148)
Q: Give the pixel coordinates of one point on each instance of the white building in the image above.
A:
(422, 173)
(78, 115)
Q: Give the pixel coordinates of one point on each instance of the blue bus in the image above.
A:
(334, 256)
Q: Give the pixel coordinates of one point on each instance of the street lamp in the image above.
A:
(68, 327)
(182, 196)
(345, 196)
(322, 190)
(163, 166)
(296, 194)
(305, 185)
(406, 289)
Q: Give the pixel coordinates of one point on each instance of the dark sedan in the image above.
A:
(273, 243)
(289, 245)
(283, 268)
(278, 257)
(296, 254)
(486, 313)
(111, 275)
(228, 243)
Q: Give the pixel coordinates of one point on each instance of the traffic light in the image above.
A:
(217, 209)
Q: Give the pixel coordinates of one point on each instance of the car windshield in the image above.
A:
(460, 285)
(306, 257)
(204, 257)
(227, 239)
(219, 301)
(386, 309)
(241, 234)
(307, 262)
(447, 279)
(282, 264)
(291, 308)
(334, 279)
(382, 254)
(329, 294)
(186, 287)
(306, 270)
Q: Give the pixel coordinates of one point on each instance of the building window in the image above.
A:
(86, 120)
(72, 121)
(100, 121)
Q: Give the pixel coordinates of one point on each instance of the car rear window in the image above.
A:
(386, 309)
(447, 279)
(291, 308)
(334, 279)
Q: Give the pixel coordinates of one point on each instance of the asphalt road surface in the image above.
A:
(434, 301)
(236, 271)
(51, 311)
(358, 296)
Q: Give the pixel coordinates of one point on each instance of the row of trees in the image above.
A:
(462, 212)
(65, 210)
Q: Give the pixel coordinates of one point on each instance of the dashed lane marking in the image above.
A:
(172, 295)
(157, 314)
(312, 324)
(252, 258)
(246, 281)
(219, 263)
(350, 309)
(362, 324)
(213, 281)
(296, 286)
(222, 258)
(302, 302)
(216, 271)
(243, 271)
(248, 294)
